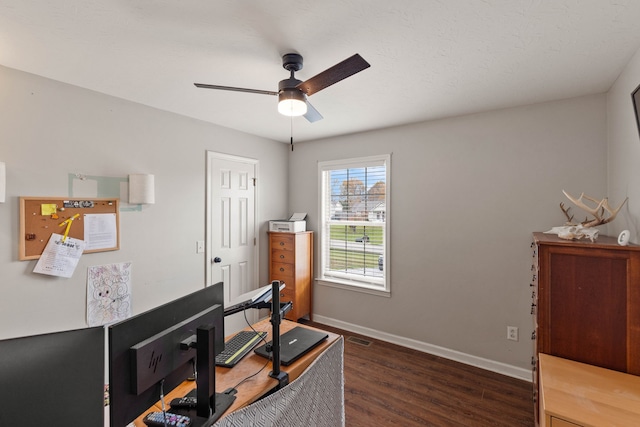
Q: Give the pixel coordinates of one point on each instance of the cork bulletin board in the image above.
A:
(96, 220)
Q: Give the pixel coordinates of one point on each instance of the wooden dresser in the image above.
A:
(291, 262)
(588, 305)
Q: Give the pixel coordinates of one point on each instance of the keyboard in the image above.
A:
(237, 347)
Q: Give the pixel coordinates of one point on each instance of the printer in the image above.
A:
(294, 224)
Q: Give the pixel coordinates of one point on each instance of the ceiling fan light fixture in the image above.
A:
(292, 93)
(292, 103)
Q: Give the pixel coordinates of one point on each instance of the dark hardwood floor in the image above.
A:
(390, 385)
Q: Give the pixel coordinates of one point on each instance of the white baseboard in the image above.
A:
(479, 362)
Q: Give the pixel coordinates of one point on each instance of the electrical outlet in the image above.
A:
(200, 246)
(512, 333)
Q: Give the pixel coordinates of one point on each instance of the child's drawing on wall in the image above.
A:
(108, 293)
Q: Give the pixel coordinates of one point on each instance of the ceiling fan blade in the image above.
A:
(338, 72)
(312, 114)
(235, 89)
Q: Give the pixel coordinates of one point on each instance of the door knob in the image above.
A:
(217, 260)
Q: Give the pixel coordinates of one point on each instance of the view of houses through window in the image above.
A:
(354, 219)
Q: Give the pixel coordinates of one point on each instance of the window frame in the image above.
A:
(346, 280)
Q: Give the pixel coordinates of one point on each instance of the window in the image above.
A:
(354, 232)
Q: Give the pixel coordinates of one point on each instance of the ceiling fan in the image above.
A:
(292, 93)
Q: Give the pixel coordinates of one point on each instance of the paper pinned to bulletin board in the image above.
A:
(95, 221)
(60, 257)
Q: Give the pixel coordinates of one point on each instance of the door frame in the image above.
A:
(208, 255)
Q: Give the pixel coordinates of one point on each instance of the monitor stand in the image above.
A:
(209, 405)
(223, 402)
(277, 313)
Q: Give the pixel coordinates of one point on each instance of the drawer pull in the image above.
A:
(281, 269)
(281, 256)
(281, 243)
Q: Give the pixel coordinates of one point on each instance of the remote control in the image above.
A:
(188, 402)
(157, 419)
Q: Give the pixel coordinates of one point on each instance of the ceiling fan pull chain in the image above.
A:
(291, 133)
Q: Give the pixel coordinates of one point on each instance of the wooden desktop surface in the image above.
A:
(585, 395)
(257, 386)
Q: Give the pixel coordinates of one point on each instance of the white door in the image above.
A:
(231, 230)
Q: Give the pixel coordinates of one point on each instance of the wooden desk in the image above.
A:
(575, 394)
(256, 387)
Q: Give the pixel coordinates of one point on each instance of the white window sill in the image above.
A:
(353, 286)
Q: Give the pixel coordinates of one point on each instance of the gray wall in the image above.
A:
(50, 129)
(466, 194)
(624, 150)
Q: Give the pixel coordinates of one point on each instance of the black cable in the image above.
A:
(252, 375)
(195, 372)
(244, 312)
(164, 410)
(264, 340)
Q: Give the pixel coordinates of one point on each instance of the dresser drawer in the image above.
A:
(282, 256)
(283, 273)
(283, 241)
(287, 294)
(559, 422)
(281, 269)
(290, 288)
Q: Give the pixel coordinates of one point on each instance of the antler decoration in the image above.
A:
(598, 212)
(566, 213)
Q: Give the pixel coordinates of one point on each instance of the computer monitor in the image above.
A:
(56, 376)
(152, 348)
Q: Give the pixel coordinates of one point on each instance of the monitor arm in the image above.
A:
(276, 319)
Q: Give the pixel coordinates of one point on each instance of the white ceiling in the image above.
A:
(429, 58)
